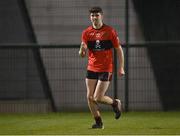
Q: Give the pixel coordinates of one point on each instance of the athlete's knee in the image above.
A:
(90, 98)
(97, 98)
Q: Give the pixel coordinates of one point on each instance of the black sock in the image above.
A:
(98, 120)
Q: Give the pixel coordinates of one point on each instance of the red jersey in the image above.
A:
(100, 43)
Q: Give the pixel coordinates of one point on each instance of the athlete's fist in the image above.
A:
(121, 72)
(82, 50)
(82, 53)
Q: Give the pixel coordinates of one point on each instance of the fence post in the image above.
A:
(126, 56)
(115, 75)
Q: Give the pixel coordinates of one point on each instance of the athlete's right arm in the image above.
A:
(82, 50)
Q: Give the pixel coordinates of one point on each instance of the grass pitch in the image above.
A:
(79, 123)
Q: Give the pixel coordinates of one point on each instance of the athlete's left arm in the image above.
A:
(120, 55)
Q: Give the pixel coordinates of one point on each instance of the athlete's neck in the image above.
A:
(97, 26)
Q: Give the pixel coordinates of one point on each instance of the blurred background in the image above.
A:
(40, 70)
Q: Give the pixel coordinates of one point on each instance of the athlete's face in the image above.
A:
(96, 18)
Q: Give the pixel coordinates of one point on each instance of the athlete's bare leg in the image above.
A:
(99, 94)
(91, 86)
(99, 97)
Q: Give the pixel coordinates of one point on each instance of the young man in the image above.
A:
(100, 39)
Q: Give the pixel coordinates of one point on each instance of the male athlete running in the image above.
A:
(100, 39)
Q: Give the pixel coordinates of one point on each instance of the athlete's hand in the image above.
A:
(82, 50)
(82, 53)
(121, 72)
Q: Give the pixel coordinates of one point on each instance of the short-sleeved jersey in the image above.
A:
(100, 43)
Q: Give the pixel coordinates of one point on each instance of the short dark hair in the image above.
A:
(96, 10)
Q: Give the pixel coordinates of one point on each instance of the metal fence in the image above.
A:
(42, 78)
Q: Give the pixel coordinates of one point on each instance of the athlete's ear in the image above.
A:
(89, 16)
(102, 16)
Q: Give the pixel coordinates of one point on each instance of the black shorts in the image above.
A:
(102, 76)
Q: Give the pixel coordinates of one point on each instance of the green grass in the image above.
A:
(166, 123)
